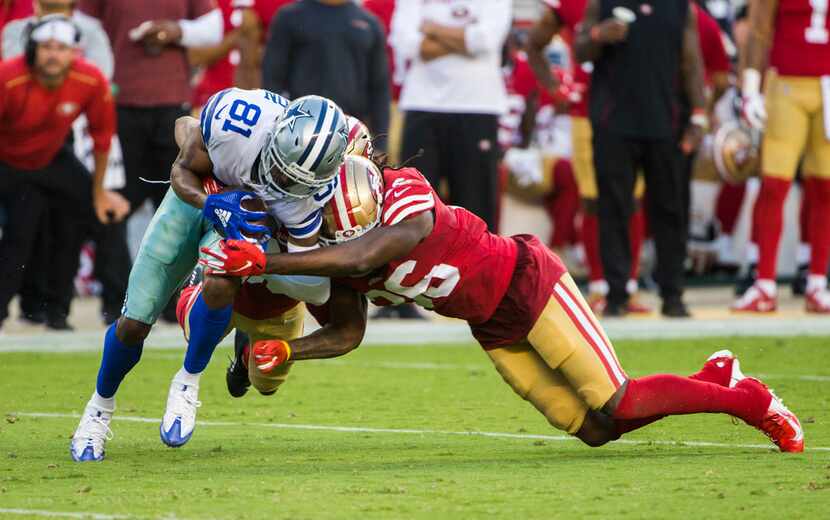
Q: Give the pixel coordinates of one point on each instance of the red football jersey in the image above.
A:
(219, 75)
(34, 120)
(460, 270)
(264, 9)
(801, 43)
(714, 55)
(570, 14)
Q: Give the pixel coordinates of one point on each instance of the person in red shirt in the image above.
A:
(219, 61)
(793, 36)
(41, 94)
(519, 300)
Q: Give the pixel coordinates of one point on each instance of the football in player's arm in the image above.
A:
(530, 318)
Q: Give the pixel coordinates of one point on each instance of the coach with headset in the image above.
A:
(41, 94)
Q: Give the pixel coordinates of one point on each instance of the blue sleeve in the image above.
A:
(307, 228)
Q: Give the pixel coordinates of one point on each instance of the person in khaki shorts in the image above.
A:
(794, 35)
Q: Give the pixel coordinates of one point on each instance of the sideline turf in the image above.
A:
(260, 472)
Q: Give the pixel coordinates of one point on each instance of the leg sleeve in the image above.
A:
(168, 253)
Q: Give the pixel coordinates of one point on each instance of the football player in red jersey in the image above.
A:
(397, 242)
(794, 35)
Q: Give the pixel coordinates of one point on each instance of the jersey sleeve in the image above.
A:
(408, 195)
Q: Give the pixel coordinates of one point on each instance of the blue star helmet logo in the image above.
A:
(294, 113)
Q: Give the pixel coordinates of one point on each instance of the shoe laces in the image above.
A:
(97, 430)
(185, 402)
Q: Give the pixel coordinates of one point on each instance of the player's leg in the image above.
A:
(568, 336)
(636, 236)
(784, 141)
(583, 166)
(167, 254)
(208, 321)
(817, 184)
(286, 326)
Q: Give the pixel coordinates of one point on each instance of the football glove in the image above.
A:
(270, 354)
(235, 258)
(753, 110)
(225, 212)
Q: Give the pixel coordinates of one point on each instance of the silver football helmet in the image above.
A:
(305, 148)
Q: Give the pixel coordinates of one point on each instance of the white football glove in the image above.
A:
(754, 111)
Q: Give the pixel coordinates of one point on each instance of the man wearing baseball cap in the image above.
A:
(41, 94)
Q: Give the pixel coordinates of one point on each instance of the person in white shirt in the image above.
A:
(453, 93)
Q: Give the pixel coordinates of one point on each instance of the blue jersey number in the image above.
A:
(242, 112)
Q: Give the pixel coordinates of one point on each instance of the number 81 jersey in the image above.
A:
(235, 125)
(459, 270)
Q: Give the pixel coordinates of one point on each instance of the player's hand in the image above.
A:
(610, 31)
(753, 110)
(225, 212)
(692, 138)
(567, 91)
(110, 206)
(270, 354)
(235, 258)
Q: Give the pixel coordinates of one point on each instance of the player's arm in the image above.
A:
(761, 28)
(341, 334)
(192, 164)
(691, 70)
(540, 36)
(248, 71)
(594, 34)
(207, 56)
(356, 257)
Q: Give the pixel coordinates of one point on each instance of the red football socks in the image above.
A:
(818, 216)
(563, 205)
(728, 206)
(590, 241)
(767, 222)
(636, 232)
(666, 394)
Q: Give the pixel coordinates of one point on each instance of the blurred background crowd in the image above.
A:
(489, 98)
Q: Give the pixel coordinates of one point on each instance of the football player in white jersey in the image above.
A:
(286, 153)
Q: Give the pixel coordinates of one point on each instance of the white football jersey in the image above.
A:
(235, 124)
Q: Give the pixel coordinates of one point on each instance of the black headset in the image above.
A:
(31, 45)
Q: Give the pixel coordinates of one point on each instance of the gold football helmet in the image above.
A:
(356, 205)
(360, 140)
(736, 152)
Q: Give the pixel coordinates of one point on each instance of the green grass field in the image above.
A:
(380, 434)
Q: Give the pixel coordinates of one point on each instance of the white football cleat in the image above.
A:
(179, 419)
(88, 442)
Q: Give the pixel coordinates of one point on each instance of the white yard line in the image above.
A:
(362, 429)
(61, 514)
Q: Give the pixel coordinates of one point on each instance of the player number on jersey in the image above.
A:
(422, 292)
(242, 112)
(817, 31)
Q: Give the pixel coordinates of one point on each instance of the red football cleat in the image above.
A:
(817, 302)
(722, 368)
(778, 422)
(755, 300)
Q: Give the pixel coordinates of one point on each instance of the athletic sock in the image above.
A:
(817, 228)
(207, 326)
(625, 426)
(562, 205)
(116, 362)
(767, 223)
(636, 233)
(105, 404)
(665, 394)
(728, 206)
(590, 241)
(186, 378)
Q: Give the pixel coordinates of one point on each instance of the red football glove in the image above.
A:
(236, 258)
(270, 354)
